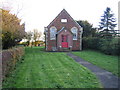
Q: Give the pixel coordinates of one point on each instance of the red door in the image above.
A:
(64, 41)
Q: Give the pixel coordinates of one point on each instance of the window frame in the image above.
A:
(53, 33)
(74, 31)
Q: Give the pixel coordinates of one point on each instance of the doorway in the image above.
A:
(64, 41)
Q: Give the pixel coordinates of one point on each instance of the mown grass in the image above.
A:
(41, 69)
(104, 61)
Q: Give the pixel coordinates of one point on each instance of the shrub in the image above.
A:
(12, 29)
(10, 58)
(91, 43)
(110, 46)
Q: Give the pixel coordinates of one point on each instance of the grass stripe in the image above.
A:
(41, 69)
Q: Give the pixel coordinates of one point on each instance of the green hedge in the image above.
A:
(9, 59)
(108, 46)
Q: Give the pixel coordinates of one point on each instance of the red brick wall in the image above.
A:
(58, 24)
(69, 37)
(51, 43)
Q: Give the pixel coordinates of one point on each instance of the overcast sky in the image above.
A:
(39, 13)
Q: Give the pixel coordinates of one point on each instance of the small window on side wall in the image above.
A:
(63, 20)
(53, 31)
(74, 30)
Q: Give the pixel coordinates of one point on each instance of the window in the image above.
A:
(74, 31)
(63, 20)
(53, 33)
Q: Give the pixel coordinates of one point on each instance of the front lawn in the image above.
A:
(41, 69)
(107, 62)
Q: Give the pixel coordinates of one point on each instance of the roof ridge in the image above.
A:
(68, 15)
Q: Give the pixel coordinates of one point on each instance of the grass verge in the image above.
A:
(106, 62)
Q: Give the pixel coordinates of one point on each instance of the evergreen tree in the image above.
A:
(108, 20)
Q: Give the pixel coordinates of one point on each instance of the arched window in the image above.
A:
(74, 31)
(53, 31)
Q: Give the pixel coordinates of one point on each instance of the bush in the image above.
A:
(12, 29)
(9, 59)
(91, 43)
(110, 46)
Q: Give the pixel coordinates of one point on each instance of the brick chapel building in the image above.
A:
(63, 33)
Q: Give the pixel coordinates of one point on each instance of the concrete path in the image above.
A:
(107, 79)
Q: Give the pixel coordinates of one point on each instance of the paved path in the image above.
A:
(107, 79)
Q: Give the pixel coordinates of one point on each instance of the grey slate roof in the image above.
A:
(60, 30)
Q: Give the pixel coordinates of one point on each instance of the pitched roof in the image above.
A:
(67, 14)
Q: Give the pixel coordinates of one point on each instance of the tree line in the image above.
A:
(33, 38)
(102, 38)
(106, 25)
(12, 31)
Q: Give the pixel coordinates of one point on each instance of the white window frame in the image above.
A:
(74, 30)
(53, 31)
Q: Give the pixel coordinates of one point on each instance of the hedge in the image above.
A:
(9, 59)
(91, 43)
(108, 46)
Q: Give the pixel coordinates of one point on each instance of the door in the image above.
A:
(64, 41)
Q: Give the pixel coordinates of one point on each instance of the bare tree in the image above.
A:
(36, 35)
(28, 36)
(10, 6)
